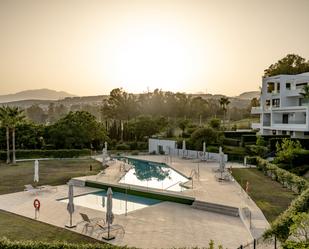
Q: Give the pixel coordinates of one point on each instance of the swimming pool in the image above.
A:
(97, 201)
(153, 175)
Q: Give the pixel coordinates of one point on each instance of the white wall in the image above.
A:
(153, 145)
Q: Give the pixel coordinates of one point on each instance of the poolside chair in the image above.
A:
(104, 229)
(48, 188)
(90, 222)
(29, 188)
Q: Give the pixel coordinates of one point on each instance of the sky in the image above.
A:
(89, 47)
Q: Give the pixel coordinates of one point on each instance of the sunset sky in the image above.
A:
(89, 47)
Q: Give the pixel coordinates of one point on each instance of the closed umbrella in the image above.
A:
(204, 149)
(109, 213)
(222, 163)
(183, 147)
(70, 206)
(36, 171)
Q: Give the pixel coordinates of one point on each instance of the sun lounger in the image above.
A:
(48, 188)
(91, 222)
(29, 188)
(104, 229)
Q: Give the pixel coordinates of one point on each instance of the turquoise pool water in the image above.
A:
(121, 202)
(153, 175)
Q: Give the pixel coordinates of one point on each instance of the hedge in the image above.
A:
(248, 139)
(28, 154)
(295, 245)
(238, 134)
(231, 141)
(286, 178)
(281, 226)
(6, 244)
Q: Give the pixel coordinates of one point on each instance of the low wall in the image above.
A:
(163, 196)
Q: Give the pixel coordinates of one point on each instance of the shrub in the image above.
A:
(248, 139)
(252, 160)
(6, 244)
(256, 150)
(281, 226)
(295, 245)
(122, 146)
(231, 141)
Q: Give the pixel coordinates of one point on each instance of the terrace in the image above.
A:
(166, 223)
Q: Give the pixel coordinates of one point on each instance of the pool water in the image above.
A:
(97, 201)
(153, 175)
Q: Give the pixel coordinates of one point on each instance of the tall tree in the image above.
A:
(10, 117)
(290, 64)
(305, 92)
(224, 102)
(6, 122)
(16, 117)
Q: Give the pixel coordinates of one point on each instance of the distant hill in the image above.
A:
(249, 95)
(38, 94)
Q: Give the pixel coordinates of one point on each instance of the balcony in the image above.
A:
(293, 92)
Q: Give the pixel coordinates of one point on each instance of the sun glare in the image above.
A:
(159, 57)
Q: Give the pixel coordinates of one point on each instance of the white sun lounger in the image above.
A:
(29, 188)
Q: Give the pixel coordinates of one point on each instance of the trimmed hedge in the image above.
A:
(281, 226)
(295, 245)
(231, 141)
(286, 178)
(28, 154)
(6, 244)
(248, 139)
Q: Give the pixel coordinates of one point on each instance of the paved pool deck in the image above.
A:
(163, 225)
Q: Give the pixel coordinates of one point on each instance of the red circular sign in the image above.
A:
(36, 204)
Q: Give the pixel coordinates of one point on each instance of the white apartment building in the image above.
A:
(282, 109)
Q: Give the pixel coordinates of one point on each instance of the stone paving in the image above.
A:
(163, 225)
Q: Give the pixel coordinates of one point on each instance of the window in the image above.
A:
(274, 132)
(267, 102)
(288, 86)
(276, 102)
(301, 85)
(283, 132)
(270, 87)
(306, 133)
(278, 87)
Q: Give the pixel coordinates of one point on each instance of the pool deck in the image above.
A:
(163, 225)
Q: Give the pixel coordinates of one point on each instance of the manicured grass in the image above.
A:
(269, 195)
(244, 123)
(53, 172)
(15, 227)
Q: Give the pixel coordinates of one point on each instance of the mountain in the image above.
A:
(38, 94)
(249, 95)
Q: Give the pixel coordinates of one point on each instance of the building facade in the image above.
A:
(283, 110)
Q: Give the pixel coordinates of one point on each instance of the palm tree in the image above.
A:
(16, 116)
(305, 92)
(224, 102)
(6, 122)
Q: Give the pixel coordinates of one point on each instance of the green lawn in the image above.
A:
(269, 195)
(55, 172)
(15, 227)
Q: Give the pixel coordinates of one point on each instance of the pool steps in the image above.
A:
(216, 208)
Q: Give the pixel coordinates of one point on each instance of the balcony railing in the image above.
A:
(300, 122)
